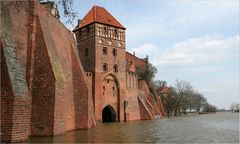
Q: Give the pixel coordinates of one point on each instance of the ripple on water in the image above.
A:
(209, 128)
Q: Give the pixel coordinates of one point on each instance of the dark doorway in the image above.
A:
(108, 114)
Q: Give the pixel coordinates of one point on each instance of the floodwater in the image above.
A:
(205, 128)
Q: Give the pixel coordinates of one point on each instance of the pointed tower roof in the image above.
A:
(100, 15)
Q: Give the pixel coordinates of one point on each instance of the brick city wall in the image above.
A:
(38, 53)
(153, 98)
(43, 89)
(15, 99)
(144, 111)
(137, 61)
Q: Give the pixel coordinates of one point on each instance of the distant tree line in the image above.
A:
(181, 98)
(234, 107)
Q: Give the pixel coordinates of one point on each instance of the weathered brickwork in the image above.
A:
(7, 99)
(43, 89)
(15, 100)
(52, 83)
(43, 85)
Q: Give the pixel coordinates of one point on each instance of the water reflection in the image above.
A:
(209, 128)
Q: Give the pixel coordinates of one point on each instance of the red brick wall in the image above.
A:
(133, 105)
(137, 61)
(71, 94)
(145, 113)
(131, 96)
(45, 55)
(43, 89)
(158, 99)
(15, 100)
(80, 95)
(7, 99)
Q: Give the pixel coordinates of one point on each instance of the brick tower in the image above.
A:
(101, 46)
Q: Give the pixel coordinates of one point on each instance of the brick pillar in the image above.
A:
(15, 100)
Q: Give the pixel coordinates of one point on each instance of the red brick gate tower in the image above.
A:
(101, 46)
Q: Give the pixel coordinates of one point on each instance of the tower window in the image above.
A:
(104, 88)
(105, 50)
(105, 67)
(116, 32)
(120, 35)
(114, 52)
(105, 30)
(113, 88)
(111, 33)
(115, 68)
(86, 52)
(100, 31)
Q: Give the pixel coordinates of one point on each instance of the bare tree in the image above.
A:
(234, 107)
(68, 11)
(159, 84)
(184, 90)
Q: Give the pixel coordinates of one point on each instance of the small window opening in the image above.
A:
(114, 52)
(113, 88)
(115, 68)
(105, 50)
(105, 67)
(105, 30)
(116, 32)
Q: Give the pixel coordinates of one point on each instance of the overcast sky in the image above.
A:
(196, 41)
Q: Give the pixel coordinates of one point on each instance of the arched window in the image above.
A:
(105, 50)
(114, 52)
(105, 67)
(115, 68)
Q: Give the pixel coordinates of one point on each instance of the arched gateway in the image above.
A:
(108, 114)
(111, 99)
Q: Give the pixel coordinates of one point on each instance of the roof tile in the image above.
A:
(100, 15)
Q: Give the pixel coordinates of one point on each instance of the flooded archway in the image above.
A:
(108, 114)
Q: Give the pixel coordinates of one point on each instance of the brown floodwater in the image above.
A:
(206, 128)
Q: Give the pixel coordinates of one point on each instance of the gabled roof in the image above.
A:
(100, 15)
